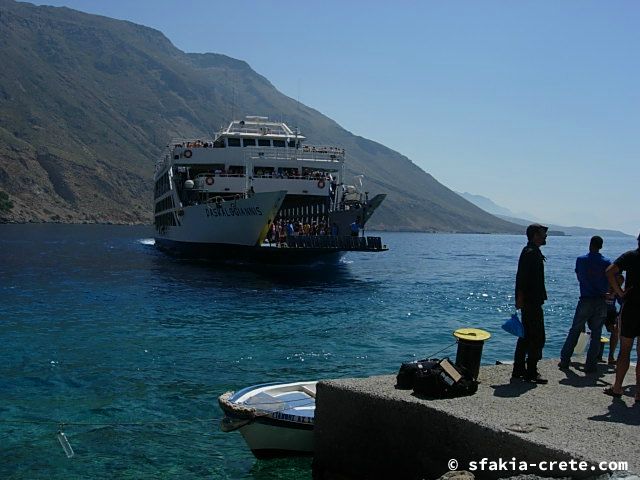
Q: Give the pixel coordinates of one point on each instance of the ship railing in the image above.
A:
(190, 143)
(162, 163)
(294, 177)
(323, 149)
(220, 174)
(261, 127)
(279, 176)
(263, 131)
(292, 154)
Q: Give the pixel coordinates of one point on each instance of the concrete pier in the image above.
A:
(365, 428)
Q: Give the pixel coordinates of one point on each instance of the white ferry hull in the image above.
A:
(239, 223)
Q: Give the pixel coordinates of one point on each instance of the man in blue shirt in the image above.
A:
(592, 306)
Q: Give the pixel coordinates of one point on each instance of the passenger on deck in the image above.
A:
(355, 227)
(272, 237)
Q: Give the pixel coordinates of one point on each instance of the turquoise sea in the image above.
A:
(131, 348)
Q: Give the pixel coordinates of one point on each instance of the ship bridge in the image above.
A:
(259, 127)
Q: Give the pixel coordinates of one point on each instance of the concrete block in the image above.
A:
(365, 428)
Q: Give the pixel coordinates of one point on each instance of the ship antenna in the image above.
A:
(233, 103)
(234, 96)
(298, 98)
(299, 116)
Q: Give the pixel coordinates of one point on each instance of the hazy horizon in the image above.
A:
(531, 104)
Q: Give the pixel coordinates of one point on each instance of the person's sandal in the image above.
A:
(609, 391)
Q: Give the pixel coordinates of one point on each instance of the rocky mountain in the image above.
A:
(572, 231)
(87, 103)
(488, 205)
(502, 212)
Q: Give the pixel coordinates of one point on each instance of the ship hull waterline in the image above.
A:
(227, 253)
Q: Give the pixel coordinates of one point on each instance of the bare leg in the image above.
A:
(626, 344)
(613, 343)
(638, 373)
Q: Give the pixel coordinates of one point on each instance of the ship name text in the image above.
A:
(233, 212)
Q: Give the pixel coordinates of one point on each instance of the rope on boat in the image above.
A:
(252, 411)
(240, 410)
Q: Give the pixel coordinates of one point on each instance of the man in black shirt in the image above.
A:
(628, 262)
(530, 295)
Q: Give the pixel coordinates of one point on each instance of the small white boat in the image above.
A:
(275, 419)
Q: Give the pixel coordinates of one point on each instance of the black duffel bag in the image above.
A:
(444, 380)
(409, 371)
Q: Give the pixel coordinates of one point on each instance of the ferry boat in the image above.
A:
(257, 193)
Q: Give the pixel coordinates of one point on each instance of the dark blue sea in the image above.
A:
(131, 348)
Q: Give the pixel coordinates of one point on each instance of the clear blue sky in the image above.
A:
(534, 104)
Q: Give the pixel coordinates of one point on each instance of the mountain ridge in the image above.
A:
(503, 212)
(87, 103)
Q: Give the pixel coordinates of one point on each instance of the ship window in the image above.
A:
(249, 142)
(233, 142)
(236, 170)
(279, 143)
(292, 144)
(262, 142)
(263, 171)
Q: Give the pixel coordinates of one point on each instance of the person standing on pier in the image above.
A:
(592, 306)
(629, 316)
(530, 295)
